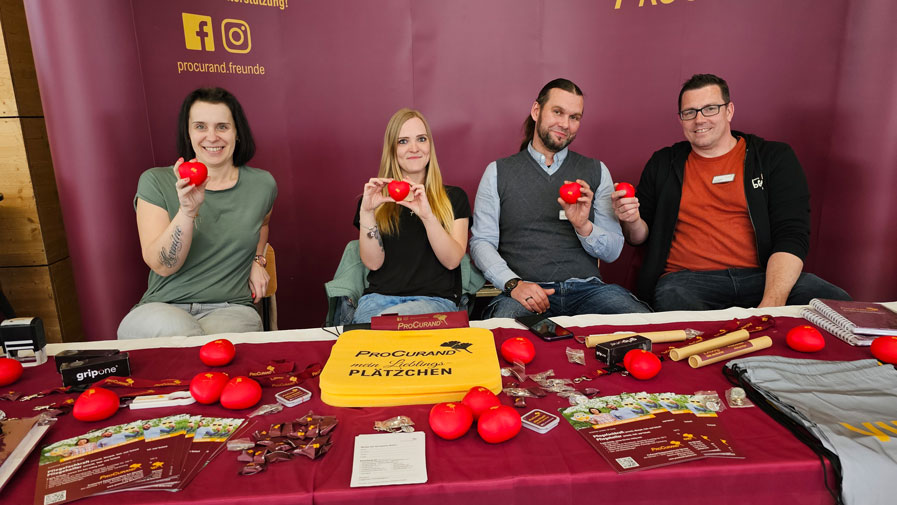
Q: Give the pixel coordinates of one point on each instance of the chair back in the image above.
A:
(271, 268)
(267, 306)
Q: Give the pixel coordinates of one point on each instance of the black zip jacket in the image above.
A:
(775, 187)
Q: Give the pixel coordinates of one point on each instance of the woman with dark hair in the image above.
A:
(412, 247)
(205, 243)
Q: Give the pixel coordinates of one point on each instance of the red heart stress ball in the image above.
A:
(571, 192)
(496, 423)
(194, 170)
(518, 349)
(625, 186)
(217, 352)
(240, 393)
(885, 349)
(641, 364)
(499, 424)
(10, 371)
(804, 339)
(95, 404)
(480, 399)
(206, 387)
(398, 190)
(450, 420)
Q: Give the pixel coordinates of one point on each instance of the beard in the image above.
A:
(549, 141)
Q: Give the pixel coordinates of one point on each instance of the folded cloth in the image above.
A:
(845, 410)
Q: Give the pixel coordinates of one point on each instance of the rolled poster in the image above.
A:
(710, 344)
(656, 337)
(729, 352)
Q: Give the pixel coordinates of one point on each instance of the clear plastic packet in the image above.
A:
(576, 356)
(541, 376)
(264, 410)
(518, 371)
(519, 392)
(398, 424)
(710, 400)
(737, 398)
(240, 444)
(556, 385)
(574, 397)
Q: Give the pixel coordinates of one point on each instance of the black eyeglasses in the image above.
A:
(710, 110)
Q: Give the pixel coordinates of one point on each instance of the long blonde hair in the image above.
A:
(387, 215)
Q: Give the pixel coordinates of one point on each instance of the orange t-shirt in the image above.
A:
(714, 229)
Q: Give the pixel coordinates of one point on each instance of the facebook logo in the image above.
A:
(198, 32)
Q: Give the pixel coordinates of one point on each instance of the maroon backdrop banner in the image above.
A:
(319, 80)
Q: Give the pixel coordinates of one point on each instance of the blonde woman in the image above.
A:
(412, 247)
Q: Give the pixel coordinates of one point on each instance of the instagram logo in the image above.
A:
(198, 32)
(235, 36)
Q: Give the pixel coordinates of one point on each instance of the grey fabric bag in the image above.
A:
(849, 407)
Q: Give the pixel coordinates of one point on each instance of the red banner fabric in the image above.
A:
(318, 81)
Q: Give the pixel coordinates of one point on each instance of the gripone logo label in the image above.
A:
(407, 363)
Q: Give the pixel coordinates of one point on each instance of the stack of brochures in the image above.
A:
(857, 323)
(155, 454)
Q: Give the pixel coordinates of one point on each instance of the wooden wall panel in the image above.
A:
(21, 243)
(47, 292)
(67, 309)
(17, 64)
(43, 180)
(35, 267)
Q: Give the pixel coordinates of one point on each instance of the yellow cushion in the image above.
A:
(390, 400)
(386, 368)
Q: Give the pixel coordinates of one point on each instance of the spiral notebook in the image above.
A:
(859, 318)
(830, 326)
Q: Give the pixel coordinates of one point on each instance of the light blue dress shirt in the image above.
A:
(605, 242)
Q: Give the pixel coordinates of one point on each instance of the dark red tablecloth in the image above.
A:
(556, 468)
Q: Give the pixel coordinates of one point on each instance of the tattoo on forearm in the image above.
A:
(169, 258)
(374, 232)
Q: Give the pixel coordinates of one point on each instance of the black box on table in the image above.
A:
(91, 370)
(612, 352)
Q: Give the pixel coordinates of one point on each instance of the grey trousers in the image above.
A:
(188, 319)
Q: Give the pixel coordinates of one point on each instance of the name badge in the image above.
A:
(719, 179)
(562, 215)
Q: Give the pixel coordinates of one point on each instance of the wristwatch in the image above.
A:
(261, 260)
(510, 285)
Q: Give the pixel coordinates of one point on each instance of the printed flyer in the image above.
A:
(638, 431)
(163, 453)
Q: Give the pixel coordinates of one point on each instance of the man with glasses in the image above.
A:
(725, 215)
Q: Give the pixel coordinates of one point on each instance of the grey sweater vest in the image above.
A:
(535, 243)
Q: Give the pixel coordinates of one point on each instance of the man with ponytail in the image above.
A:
(540, 250)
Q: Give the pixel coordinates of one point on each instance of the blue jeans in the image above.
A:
(733, 287)
(572, 298)
(374, 304)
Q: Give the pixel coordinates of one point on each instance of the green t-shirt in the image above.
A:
(224, 239)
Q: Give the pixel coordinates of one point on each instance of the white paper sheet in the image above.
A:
(388, 459)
